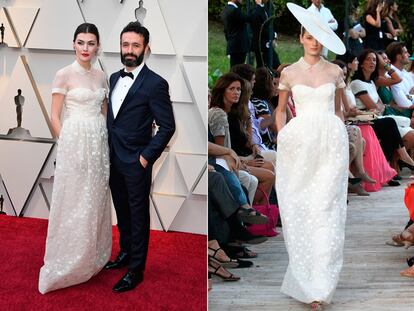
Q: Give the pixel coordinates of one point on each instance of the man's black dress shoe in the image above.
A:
(121, 261)
(128, 282)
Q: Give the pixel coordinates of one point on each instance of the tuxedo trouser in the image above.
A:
(130, 186)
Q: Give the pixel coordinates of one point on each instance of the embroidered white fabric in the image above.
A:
(311, 182)
(79, 238)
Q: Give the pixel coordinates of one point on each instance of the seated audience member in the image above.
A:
(402, 92)
(262, 93)
(226, 93)
(374, 161)
(247, 72)
(356, 145)
(364, 89)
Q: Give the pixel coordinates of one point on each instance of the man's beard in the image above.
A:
(132, 62)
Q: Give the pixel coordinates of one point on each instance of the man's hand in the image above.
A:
(231, 162)
(235, 157)
(211, 168)
(143, 162)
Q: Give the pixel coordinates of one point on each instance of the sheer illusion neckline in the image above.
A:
(85, 88)
(315, 87)
(79, 69)
(305, 65)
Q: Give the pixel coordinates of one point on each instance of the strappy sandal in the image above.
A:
(400, 239)
(218, 271)
(231, 263)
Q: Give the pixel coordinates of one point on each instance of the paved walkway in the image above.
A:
(370, 278)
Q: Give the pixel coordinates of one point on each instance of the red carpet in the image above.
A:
(175, 276)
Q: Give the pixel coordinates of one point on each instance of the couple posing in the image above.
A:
(79, 239)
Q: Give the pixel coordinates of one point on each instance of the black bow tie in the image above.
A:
(126, 74)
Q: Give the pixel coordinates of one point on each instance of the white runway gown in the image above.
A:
(79, 237)
(311, 182)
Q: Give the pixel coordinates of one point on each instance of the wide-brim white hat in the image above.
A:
(318, 28)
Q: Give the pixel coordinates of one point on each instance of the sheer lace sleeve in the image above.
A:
(105, 84)
(60, 83)
(284, 84)
(339, 81)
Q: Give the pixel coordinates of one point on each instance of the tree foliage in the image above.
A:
(285, 20)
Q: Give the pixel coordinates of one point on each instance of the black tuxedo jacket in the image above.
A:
(130, 133)
(235, 29)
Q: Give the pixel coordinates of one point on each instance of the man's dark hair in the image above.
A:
(264, 84)
(245, 71)
(86, 28)
(137, 28)
(393, 49)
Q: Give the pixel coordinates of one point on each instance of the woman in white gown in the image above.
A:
(312, 166)
(79, 237)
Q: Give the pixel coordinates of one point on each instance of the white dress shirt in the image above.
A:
(401, 91)
(326, 15)
(233, 4)
(121, 89)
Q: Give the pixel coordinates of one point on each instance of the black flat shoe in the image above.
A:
(355, 180)
(393, 183)
(397, 177)
(129, 281)
(121, 261)
(244, 263)
(410, 261)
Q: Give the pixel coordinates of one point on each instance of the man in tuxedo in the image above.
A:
(261, 42)
(137, 97)
(235, 31)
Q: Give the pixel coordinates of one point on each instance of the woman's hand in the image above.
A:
(257, 162)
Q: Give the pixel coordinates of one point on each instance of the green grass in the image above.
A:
(289, 48)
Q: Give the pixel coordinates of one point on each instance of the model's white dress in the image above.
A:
(311, 182)
(79, 237)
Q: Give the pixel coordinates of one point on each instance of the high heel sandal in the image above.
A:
(316, 306)
(366, 178)
(402, 164)
(222, 272)
(358, 189)
(406, 238)
(231, 263)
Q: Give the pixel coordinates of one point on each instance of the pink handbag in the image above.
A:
(272, 213)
